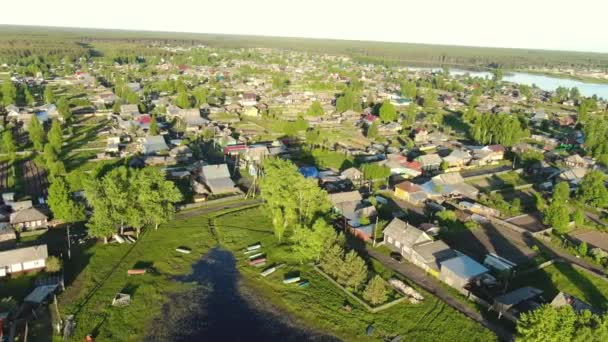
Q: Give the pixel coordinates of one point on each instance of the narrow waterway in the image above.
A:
(219, 310)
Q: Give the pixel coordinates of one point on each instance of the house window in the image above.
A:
(398, 244)
(390, 239)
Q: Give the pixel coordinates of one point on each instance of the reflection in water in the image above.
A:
(217, 311)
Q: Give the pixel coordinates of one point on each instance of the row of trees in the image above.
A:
(549, 323)
(129, 197)
(497, 129)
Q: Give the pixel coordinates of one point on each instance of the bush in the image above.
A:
(376, 291)
(53, 264)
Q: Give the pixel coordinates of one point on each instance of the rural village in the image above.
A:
(356, 190)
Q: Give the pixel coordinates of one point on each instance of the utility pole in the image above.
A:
(69, 243)
(375, 229)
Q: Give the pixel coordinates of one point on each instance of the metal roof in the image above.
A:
(464, 267)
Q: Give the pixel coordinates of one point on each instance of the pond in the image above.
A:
(218, 309)
(543, 82)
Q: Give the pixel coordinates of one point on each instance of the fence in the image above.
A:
(357, 299)
(212, 202)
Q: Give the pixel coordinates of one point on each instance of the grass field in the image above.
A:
(320, 304)
(89, 297)
(565, 278)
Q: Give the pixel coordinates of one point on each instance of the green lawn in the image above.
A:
(320, 304)
(563, 277)
(89, 297)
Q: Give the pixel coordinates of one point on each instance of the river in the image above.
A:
(218, 309)
(543, 82)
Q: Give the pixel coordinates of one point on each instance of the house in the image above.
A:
(250, 112)
(460, 271)
(181, 153)
(402, 237)
(539, 116)
(255, 154)
(563, 299)
(449, 185)
(576, 160)
(23, 259)
(353, 174)
(406, 190)
(217, 179)
(28, 219)
(457, 159)
(573, 175)
(7, 235)
(430, 255)
(249, 100)
(420, 135)
(353, 209)
(487, 155)
(429, 162)
(153, 144)
(193, 120)
(129, 110)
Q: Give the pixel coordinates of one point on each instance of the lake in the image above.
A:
(543, 82)
(218, 309)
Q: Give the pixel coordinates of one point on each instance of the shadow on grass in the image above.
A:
(216, 310)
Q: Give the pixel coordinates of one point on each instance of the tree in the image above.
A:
(154, 130)
(291, 199)
(557, 214)
(583, 248)
(376, 291)
(430, 100)
(596, 138)
(49, 96)
(372, 130)
(353, 271)
(55, 136)
(408, 89)
(313, 137)
(8, 144)
(52, 264)
(200, 96)
(409, 117)
(578, 216)
(388, 112)
(331, 261)
(36, 133)
(63, 107)
(182, 100)
(155, 195)
(374, 171)
(315, 109)
(9, 92)
(62, 204)
(556, 324)
(29, 98)
(592, 190)
(309, 244)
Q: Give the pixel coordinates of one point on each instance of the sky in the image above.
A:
(539, 24)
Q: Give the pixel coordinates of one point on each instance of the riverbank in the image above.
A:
(583, 79)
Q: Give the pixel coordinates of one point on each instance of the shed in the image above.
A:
(458, 272)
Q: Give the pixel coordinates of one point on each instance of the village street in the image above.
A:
(420, 278)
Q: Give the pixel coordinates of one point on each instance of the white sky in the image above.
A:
(540, 24)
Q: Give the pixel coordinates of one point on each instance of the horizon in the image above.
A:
(75, 29)
(468, 22)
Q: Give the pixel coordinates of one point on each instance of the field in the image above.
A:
(90, 294)
(501, 181)
(566, 278)
(35, 182)
(320, 304)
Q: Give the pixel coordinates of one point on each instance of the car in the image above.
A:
(397, 257)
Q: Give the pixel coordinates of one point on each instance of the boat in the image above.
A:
(136, 271)
(257, 255)
(257, 261)
(254, 247)
(183, 250)
(303, 283)
(268, 271)
(291, 280)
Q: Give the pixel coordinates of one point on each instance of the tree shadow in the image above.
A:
(216, 309)
(580, 279)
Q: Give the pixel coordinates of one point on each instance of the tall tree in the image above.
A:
(155, 195)
(592, 189)
(9, 92)
(353, 272)
(62, 204)
(8, 144)
(154, 130)
(309, 243)
(55, 136)
(376, 291)
(551, 324)
(49, 96)
(36, 133)
(315, 109)
(63, 107)
(408, 89)
(182, 100)
(388, 112)
(557, 214)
